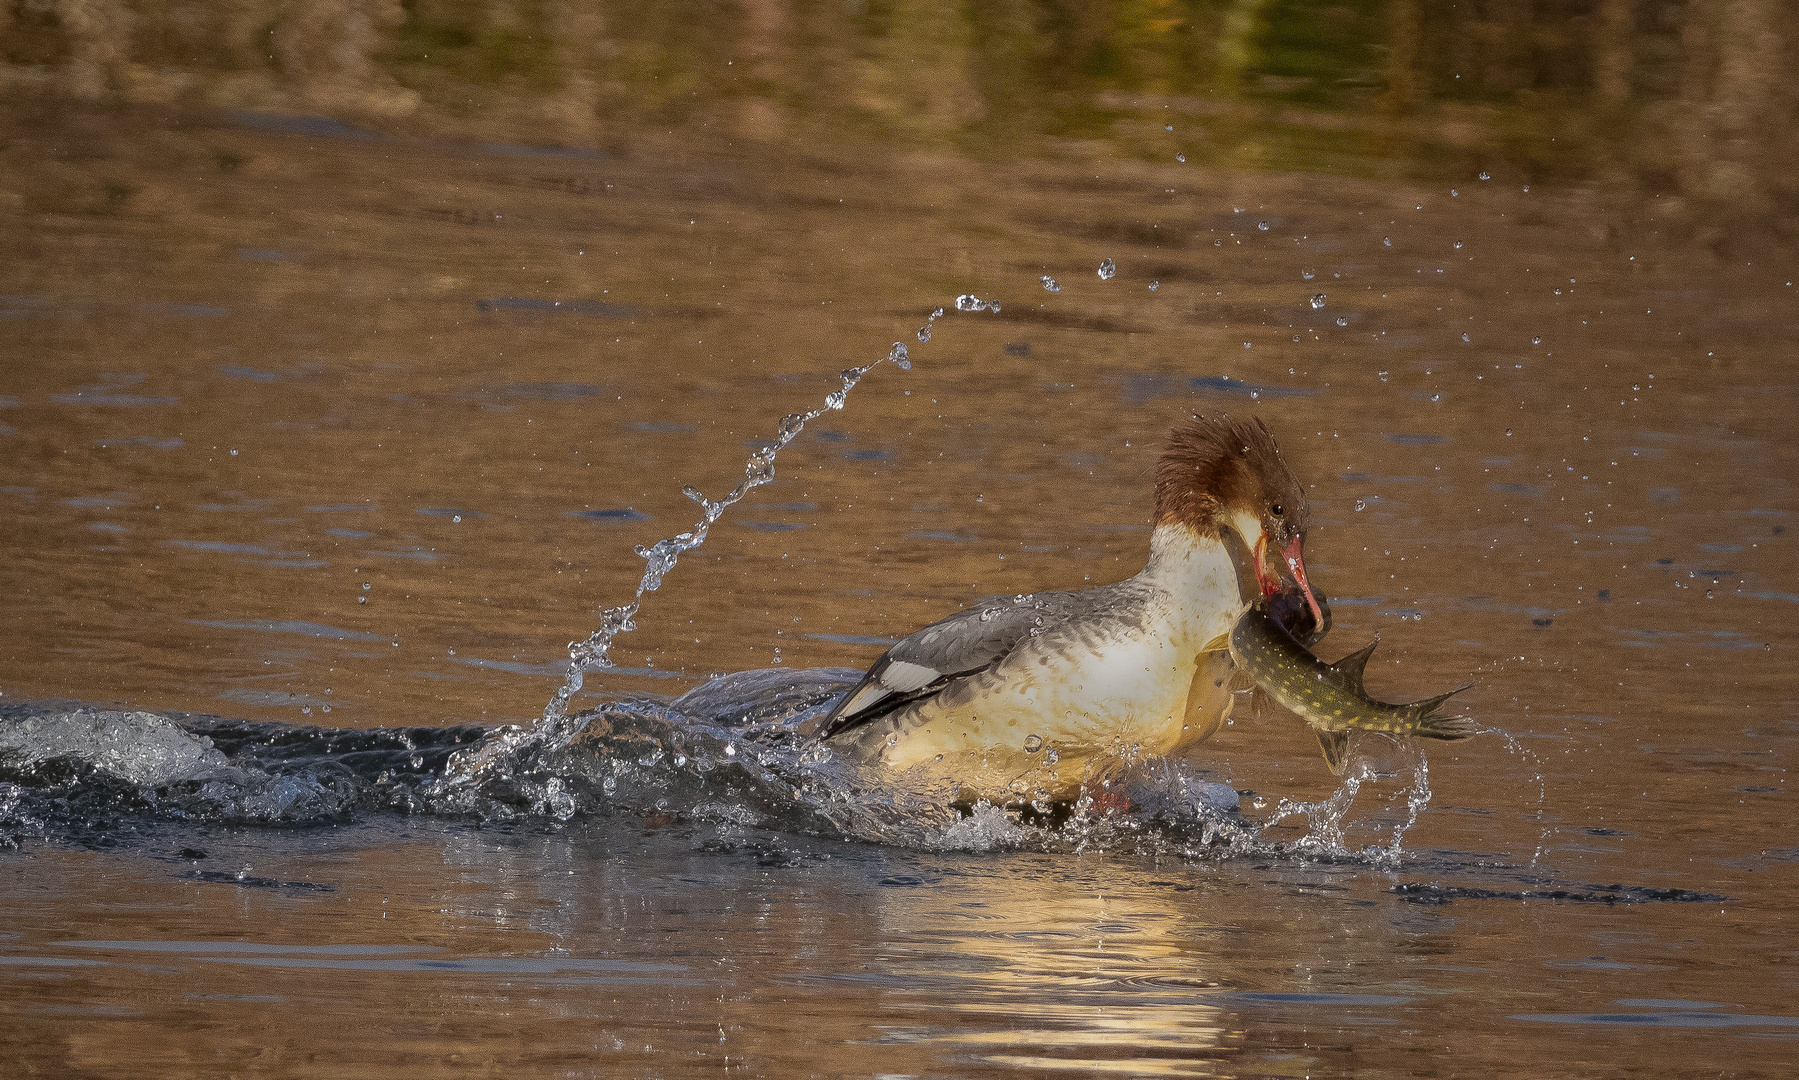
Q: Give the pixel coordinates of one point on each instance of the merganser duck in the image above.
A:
(1035, 696)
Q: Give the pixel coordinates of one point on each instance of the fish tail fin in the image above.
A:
(1431, 725)
(1335, 747)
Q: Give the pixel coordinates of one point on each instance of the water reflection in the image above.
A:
(1685, 99)
(1129, 987)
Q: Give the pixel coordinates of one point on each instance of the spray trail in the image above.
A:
(593, 652)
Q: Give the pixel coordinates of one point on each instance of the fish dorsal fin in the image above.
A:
(1352, 666)
(1335, 745)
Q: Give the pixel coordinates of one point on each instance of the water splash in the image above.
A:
(732, 755)
(1328, 823)
(1515, 747)
(1417, 797)
(924, 332)
(594, 652)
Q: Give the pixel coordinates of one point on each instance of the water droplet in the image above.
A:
(1486, 176)
(1458, 245)
(971, 302)
(1262, 226)
(1246, 344)
(1508, 433)
(1033, 743)
(1049, 284)
(1464, 337)
(1308, 273)
(1108, 270)
(1154, 285)
(1536, 341)
(1167, 127)
(1436, 397)
(1558, 292)
(924, 333)
(1453, 193)
(1360, 506)
(730, 749)
(1182, 158)
(1052, 757)
(898, 356)
(1317, 301)
(1342, 320)
(455, 519)
(367, 585)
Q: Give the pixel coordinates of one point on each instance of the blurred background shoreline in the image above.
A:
(1692, 104)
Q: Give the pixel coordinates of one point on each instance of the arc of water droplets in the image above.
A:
(594, 652)
(1325, 817)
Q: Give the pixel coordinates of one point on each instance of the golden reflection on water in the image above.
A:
(1066, 978)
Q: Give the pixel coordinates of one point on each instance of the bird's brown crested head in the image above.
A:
(1221, 473)
(1217, 470)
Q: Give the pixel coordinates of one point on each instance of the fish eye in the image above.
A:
(1276, 510)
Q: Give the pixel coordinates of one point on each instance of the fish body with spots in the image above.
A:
(1330, 697)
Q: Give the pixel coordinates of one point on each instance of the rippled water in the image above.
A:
(320, 441)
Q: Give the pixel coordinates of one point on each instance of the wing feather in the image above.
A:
(953, 648)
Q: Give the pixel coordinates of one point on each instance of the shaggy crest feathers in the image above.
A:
(1216, 465)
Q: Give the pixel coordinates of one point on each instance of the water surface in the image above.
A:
(327, 410)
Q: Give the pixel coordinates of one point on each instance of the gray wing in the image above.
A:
(964, 644)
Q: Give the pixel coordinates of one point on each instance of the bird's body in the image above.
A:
(1033, 696)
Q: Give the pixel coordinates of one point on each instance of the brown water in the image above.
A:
(357, 426)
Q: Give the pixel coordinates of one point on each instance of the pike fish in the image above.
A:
(1329, 697)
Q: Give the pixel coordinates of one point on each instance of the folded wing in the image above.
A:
(965, 644)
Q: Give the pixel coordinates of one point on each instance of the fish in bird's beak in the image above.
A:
(1270, 582)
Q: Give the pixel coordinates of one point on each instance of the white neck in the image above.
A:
(1198, 577)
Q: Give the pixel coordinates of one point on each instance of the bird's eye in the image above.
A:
(1276, 510)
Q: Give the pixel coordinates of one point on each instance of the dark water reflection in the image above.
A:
(342, 376)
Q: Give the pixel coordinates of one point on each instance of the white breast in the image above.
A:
(1113, 678)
